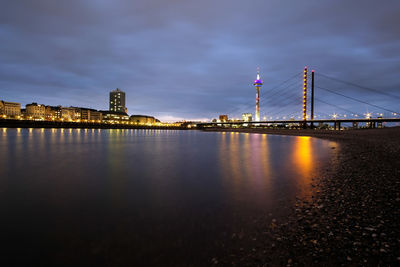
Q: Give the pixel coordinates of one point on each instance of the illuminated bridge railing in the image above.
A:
(371, 122)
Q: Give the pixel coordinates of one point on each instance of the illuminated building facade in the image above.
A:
(223, 118)
(96, 116)
(117, 101)
(143, 119)
(53, 113)
(115, 116)
(35, 110)
(71, 113)
(247, 117)
(258, 83)
(91, 115)
(10, 108)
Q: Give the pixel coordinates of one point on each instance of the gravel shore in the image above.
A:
(352, 218)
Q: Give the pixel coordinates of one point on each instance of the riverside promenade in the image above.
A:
(10, 123)
(352, 218)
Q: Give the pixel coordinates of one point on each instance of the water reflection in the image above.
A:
(303, 161)
(303, 156)
(156, 191)
(256, 167)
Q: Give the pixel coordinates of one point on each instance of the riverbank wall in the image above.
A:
(9, 123)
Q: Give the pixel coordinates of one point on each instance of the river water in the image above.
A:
(144, 197)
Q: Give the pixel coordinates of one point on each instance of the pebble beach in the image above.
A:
(351, 219)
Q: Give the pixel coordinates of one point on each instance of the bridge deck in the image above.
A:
(373, 120)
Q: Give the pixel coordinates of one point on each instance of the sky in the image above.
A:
(183, 59)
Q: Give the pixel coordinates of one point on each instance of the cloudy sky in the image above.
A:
(197, 59)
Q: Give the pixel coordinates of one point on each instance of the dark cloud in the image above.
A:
(196, 59)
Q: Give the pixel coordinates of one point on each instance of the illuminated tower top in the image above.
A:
(258, 82)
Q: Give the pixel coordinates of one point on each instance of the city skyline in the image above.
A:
(192, 61)
(200, 133)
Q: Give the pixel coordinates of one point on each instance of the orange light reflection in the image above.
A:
(303, 160)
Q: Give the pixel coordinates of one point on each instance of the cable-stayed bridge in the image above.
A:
(315, 100)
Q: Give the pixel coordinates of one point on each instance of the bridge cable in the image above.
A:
(359, 86)
(282, 83)
(285, 92)
(274, 88)
(279, 110)
(354, 99)
(289, 104)
(336, 106)
(263, 97)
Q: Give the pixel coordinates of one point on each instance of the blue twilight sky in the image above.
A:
(197, 59)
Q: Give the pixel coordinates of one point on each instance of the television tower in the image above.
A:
(258, 83)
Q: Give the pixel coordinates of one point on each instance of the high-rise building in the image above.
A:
(258, 83)
(117, 101)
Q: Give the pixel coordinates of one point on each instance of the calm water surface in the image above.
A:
(112, 197)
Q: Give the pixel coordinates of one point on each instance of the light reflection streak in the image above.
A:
(303, 160)
(4, 156)
(245, 163)
(78, 135)
(245, 166)
(19, 148)
(42, 140)
(265, 164)
(85, 136)
(61, 136)
(53, 136)
(117, 181)
(248, 162)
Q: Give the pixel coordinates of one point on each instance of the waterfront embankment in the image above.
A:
(352, 218)
(10, 123)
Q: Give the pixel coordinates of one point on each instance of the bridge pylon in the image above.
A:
(305, 97)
